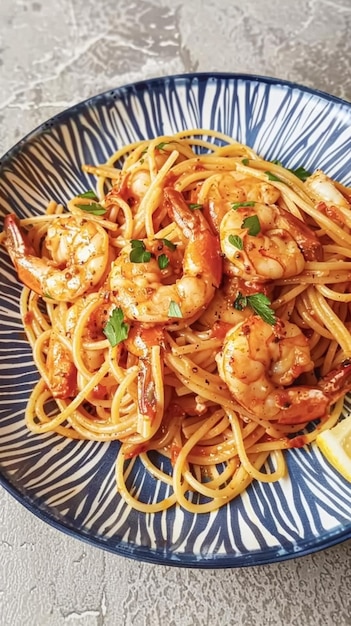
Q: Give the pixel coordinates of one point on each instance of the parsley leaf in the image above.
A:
(93, 207)
(272, 176)
(174, 310)
(161, 145)
(238, 205)
(252, 223)
(245, 161)
(240, 302)
(259, 303)
(138, 253)
(88, 194)
(163, 261)
(236, 241)
(137, 243)
(116, 330)
(262, 306)
(301, 173)
(193, 206)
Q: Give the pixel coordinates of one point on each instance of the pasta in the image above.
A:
(195, 307)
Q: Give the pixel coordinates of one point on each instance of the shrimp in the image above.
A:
(259, 363)
(79, 253)
(131, 188)
(139, 342)
(62, 373)
(224, 190)
(145, 291)
(329, 200)
(263, 242)
(92, 332)
(323, 189)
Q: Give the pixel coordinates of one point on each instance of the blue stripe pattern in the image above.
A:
(71, 484)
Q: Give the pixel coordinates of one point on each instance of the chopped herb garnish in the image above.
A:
(138, 253)
(93, 207)
(174, 310)
(238, 205)
(272, 176)
(252, 223)
(48, 296)
(236, 241)
(168, 243)
(240, 302)
(90, 194)
(161, 145)
(137, 243)
(259, 303)
(116, 330)
(301, 173)
(245, 161)
(262, 306)
(163, 261)
(194, 206)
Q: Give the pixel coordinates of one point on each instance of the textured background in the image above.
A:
(54, 54)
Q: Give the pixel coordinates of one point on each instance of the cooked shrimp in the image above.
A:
(139, 342)
(221, 191)
(131, 188)
(143, 289)
(259, 363)
(256, 245)
(79, 254)
(264, 242)
(329, 200)
(61, 370)
(92, 333)
(323, 189)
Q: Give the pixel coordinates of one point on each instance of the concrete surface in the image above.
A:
(53, 54)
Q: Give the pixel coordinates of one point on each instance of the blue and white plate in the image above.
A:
(71, 484)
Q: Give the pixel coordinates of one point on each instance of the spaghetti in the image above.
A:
(178, 306)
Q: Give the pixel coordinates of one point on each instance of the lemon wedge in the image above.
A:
(335, 445)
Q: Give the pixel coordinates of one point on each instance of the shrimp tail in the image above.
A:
(22, 254)
(299, 405)
(337, 382)
(139, 342)
(61, 369)
(305, 238)
(204, 248)
(147, 402)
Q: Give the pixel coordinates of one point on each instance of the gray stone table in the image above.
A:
(54, 53)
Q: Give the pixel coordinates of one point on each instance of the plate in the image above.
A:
(71, 484)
